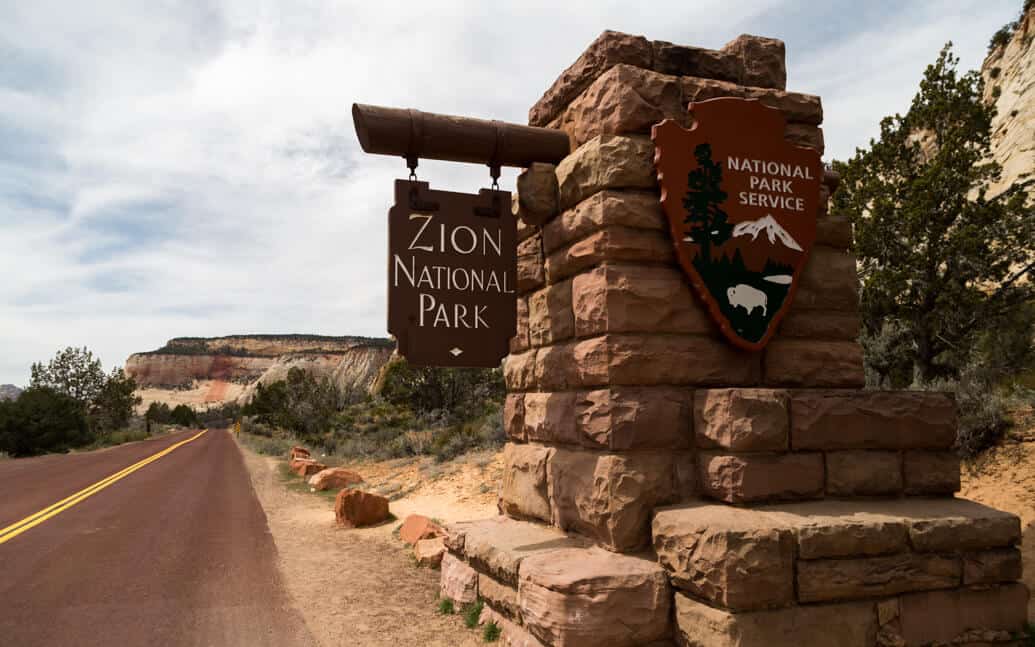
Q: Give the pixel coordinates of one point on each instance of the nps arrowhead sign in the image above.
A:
(452, 273)
(742, 205)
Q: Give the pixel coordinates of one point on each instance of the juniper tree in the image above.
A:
(941, 260)
(703, 202)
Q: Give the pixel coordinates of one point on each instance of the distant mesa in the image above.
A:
(9, 392)
(206, 372)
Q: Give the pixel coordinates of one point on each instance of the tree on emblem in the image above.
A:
(703, 202)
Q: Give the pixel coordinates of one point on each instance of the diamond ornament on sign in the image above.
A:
(741, 204)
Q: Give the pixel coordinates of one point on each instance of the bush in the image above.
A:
(42, 420)
(472, 612)
(491, 633)
(445, 607)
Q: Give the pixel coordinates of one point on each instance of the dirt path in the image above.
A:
(1004, 478)
(358, 587)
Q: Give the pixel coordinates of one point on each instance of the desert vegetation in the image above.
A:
(440, 412)
(947, 299)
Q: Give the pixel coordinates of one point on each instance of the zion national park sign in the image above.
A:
(742, 206)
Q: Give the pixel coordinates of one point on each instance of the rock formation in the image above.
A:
(1009, 73)
(9, 392)
(204, 372)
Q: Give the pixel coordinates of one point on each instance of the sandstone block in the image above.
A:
(680, 60)
(820, 325)
(417, 527)
(733, 557)
(624, 418)
(429, 552)
(623, 100)
(761, 61)
(458, 582)
(334, 478)
(524, 488)
(808, 363)
(805, 135)
(519, 342)
(606, 162)
(609, 49)
(550, 316)
(796, 108)
(992, 566)
(305, 467)
(742, 420)
(589, 597)
(609, 497)
(356, 508)
(872, 420)
(633, 209)
(845, 579)
(959, 525)
(524, 230)
(864, 473)
(829, 281)
(550, 418)
(942, 616)
(834, 231)
(679, 359)
(299, 452)
(572, 365)
(846, 624)
(499, 596)
(636, 298)
(531, 272)
(519, 370)
(828, 533)
(497, 546)
(511, 633)
(514, 416)
(613, 244)
(537, 193)
(741, 478)
(932, 472)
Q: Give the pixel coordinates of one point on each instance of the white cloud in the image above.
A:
(179, 168)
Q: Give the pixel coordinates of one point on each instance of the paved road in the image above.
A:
(176, 553)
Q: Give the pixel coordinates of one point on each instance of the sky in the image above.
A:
(175, 168)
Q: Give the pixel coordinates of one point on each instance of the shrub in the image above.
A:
(445, 607)
(491, 632)
(42, 420)
(472, 612)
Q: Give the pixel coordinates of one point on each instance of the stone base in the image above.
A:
(547, 588)
(903, 572)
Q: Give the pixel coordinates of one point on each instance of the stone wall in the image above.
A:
(611, 343)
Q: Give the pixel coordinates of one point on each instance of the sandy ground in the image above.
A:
(360, 586)
(1004, 478)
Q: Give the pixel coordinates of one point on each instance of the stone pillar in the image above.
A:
(611, 341)
(654, 472)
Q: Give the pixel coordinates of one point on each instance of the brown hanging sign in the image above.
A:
(452, 270)
(742, 205)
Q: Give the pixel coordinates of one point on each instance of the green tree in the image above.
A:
(703, 202)
(183, 415)
(112, 407)
(42, 420)
(301, 404)
(74, 372)
(941, 260)
(458, 392)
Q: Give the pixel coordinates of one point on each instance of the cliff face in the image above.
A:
(214, 371)
(1009, 73)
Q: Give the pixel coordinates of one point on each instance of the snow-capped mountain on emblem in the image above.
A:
(772, 229)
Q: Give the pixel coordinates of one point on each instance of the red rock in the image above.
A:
(519, 370)
(550, 418)
(305, 466)
(822, 580)
(681, 60)
(932, 473)
(992, 566)
(623, 418)
(633, 209)
(299, 452)
(863, 473)
(523, 493)
(519, 342)
(606, 162)
(417, 527)
(537, 193)
(612, 244)
(742, 420)
(514, 416)
(808, 363)
(761, 61)
(356, 508)
(550, 318)
(834, 231)
(805, 135)
(458, 582)
(942, 616)
(825, 325)
(609, 49)
(429, 552)
(334, 477)
(742, 478)
(530, 273)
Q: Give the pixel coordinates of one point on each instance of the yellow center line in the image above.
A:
(35, 519)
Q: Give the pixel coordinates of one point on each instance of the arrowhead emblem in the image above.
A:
(742, 204)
